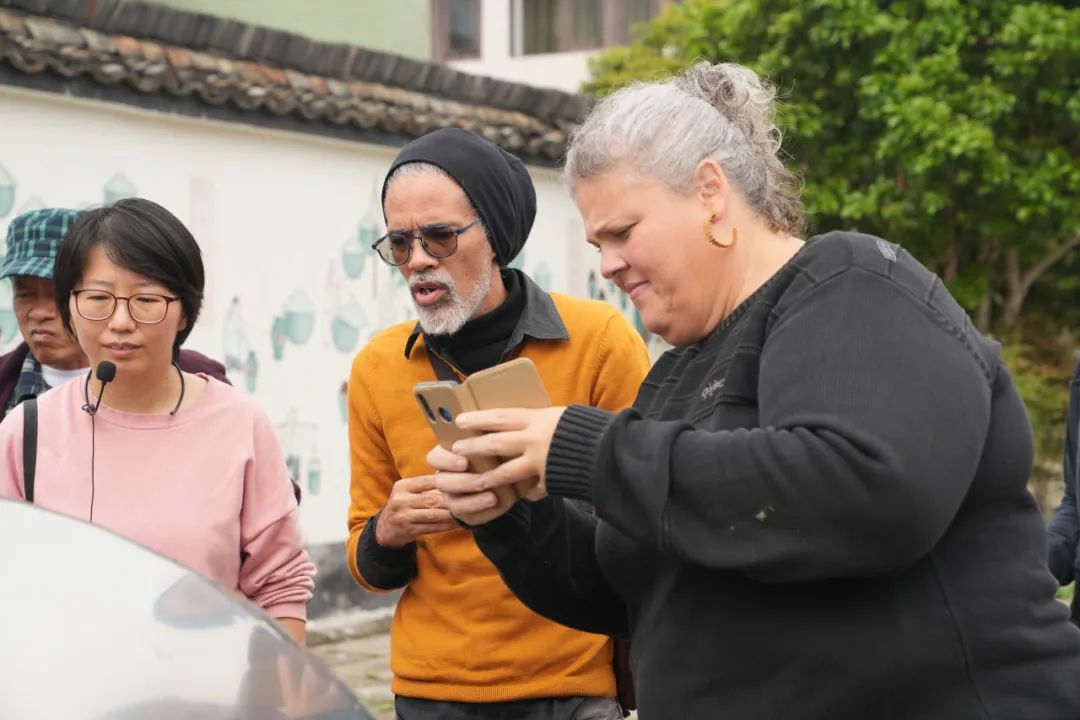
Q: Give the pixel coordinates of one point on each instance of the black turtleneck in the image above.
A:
(484, 341)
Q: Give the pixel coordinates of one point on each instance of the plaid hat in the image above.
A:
(33, 239)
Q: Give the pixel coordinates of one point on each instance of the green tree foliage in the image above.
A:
(949, 126)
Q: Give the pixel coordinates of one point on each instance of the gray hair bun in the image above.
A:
(721, 111)
(741, 96)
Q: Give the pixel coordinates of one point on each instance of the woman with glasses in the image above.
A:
(181, 463)
(817, 507)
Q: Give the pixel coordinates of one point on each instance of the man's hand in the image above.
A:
(415, 508)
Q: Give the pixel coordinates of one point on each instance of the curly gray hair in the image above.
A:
(665, 129)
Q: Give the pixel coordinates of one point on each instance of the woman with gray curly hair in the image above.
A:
(817, 507)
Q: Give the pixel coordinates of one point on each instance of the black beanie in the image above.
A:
(496, 183)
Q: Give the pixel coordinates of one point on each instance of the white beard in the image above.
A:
(454, 311)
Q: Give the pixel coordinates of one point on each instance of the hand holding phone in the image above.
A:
(514, 384)
(414, 508)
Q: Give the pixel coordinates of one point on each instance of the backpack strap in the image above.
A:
(30, 431)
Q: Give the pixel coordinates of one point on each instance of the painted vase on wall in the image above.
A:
(235, 341)
(7, 192)
(278, 337)
(518, 263)
(296, 437)
(368, 231)
(370, 226)
(314, 475)
(9, 325)
(251, 372)
(118, 187)
(346, 326)
(354, 255)
(299, 317)
(292, 466)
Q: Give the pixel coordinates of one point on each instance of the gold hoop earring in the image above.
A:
(712, 238)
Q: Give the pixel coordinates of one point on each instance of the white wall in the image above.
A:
(280, 218)
(561, 71)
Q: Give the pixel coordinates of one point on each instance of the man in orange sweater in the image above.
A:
(458, 209)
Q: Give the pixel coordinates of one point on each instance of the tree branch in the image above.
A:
(1048, 260)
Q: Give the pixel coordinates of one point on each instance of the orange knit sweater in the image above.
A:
(458, 633)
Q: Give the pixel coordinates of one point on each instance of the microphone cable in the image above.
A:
(105, 373)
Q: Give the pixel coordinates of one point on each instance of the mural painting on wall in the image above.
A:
(278, 337)
(314, 474)
(118, 187)
(361, 295)
(372, 287)
(7, 192)
(298, 443)
(299, 317)
(356, 250)
(9, 327)
(348, 321)
(358, 286)
(344, 311)
(295, 324)
(354, 255)
(542, 276)
(33, 203)
(347, 316)
(240, 358)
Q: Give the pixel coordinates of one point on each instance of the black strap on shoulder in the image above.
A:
(442, 369)
(30, 427)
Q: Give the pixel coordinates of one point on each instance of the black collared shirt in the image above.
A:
(485, 341)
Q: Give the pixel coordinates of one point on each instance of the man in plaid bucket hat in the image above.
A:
(48, 356)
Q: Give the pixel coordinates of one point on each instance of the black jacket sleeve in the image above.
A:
(873, 409)
(383, 567)
(544, 552)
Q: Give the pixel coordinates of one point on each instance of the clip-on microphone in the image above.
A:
(105, 373)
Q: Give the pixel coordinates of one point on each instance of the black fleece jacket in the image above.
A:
(818, 512)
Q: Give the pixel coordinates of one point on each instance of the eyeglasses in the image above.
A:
(439, 241)
(145, 308)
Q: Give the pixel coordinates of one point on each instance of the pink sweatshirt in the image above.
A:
(203, 487)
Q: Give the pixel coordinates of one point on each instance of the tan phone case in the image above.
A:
(514, 384)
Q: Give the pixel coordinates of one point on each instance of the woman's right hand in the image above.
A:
(456, 483)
